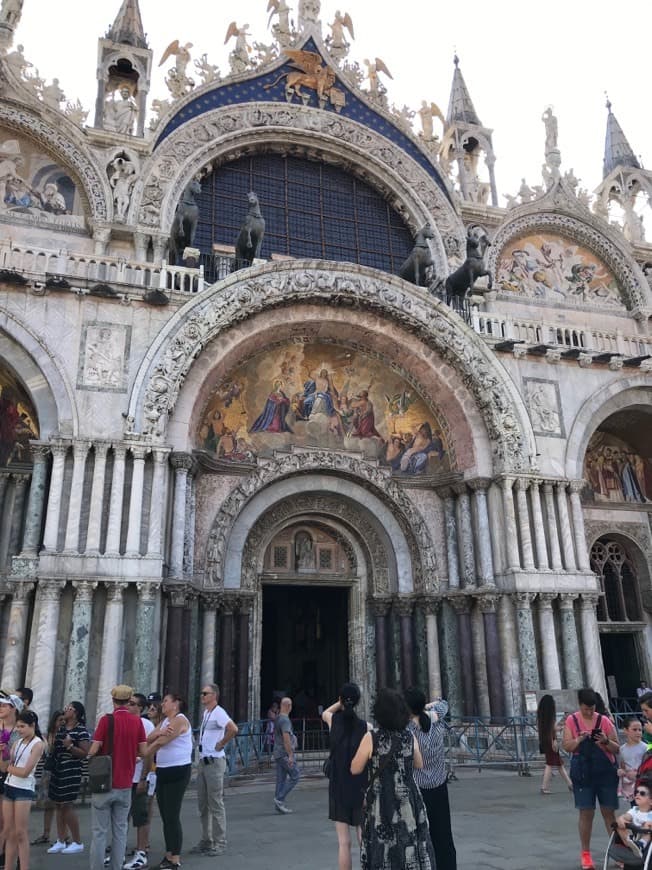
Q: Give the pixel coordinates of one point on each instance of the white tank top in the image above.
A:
(177, 751)
(21, 752)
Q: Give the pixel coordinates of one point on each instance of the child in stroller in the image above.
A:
(629, 845)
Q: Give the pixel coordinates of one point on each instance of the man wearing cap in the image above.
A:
(111, 810)
(215, 731)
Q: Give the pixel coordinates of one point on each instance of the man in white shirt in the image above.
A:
(215, 731)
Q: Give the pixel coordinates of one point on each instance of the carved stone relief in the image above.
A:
(104, 357)
(543, 401)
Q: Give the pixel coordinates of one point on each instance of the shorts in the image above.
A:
(139, 807)
(11, 793)
(606, 794)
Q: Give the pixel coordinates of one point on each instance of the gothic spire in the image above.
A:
(127, 29)
(617, 150)
(460, 106)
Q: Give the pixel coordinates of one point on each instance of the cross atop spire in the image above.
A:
(460, 106)
(617, 150)
(127, 29)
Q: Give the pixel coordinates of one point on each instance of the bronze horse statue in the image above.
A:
(250, 237)
(462, 280)
(184, 225)
(418, 265)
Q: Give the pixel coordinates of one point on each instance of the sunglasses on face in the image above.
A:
(207, 693)
(641, 793)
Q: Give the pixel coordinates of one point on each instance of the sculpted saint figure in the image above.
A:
(550, 122)
(119, 115)
(10, 12)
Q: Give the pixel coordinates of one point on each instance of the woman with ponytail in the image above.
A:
(428, 727)
(345, 791)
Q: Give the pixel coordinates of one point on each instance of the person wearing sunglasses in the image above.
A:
(216, 730)
(641, 816)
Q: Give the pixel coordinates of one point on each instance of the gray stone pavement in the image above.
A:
(500, 821)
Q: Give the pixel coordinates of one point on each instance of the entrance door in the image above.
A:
(620, 660)
(305, 646)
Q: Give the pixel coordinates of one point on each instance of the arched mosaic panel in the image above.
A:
(616, 471)
(323, 395)
(18, 421)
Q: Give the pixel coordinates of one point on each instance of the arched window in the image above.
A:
(620, 601)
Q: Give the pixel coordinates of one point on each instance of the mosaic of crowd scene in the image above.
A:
(615, 472)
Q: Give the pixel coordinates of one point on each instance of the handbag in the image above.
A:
(50, 762)
(100, 767)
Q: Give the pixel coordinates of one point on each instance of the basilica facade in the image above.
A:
(237, 446)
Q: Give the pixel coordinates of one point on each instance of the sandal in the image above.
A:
(545, 791)
(41, 841)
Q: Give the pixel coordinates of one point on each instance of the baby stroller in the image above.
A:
(617, 851)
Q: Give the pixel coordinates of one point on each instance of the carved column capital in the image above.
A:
(524, 600)
(522, 484)
(20, 590)
(49, 590)
(380, 606)
(20, 478)
(487, 602)
(120, 450)
(545, 600)
(403, 605)
(445, 492)
(507, 482)
(561, 485)
(39, 451)
(589, 600)
(80, 448)
(139, 451)
(229, 604)
(429, 604)
(114, 591)
(567, 599)
(245, 603)
(160, 454)
(548, 485)
(177, 594)
(101, 448)
(535, 482)
(59, 448)
(147, 592)
(577, 485)
(181, 462)
(460, 488)
(459, 602)
(479, 484)
(211, 600)
(84, 590)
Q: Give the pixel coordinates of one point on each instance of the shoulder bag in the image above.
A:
(100, 767)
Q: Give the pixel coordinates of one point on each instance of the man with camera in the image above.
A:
(215, 731)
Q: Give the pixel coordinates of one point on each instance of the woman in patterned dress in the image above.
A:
(395, 826)
(71, 746)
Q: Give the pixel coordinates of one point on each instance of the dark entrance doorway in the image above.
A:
(305, 646)
(621, 661)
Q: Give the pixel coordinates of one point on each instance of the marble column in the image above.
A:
(136, 501)
(450, 522)
(53, 514)
(145, 629)
(549, 654)
(36, 500)
(524, 524)
(175, 678)
(403, 606)
(480, 679)
(380, 609)
(591, 644)
(211, 602)
(509, 653)
(158, 503)
(565, 528)
(570, 642)
(79, 453)
(483, 530)
(12, 667)
(551, 525)
(100, 450)
(16, 529)
(227, 689)
(492, 655)
(114, 528)
(245, 607)
(4, 482)
(465, 536)
(79, 643)
(431, 608)
(182, 463)
(511, 536)
(450, 663)
(581, 548)
(44, 635)
(462, 608)
(526, 643)
(111, 655)
(539, 529)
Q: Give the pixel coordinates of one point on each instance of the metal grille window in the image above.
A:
(280, 557)
(311, 210)
(619, 601)
(325, 560)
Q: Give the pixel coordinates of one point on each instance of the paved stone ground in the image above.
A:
(500, 820)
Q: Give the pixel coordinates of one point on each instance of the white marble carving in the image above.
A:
(543, 401)
(104, 357)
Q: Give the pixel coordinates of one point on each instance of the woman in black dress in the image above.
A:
(345, 791)
(71, 747)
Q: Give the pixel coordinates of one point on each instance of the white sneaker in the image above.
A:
(56, 847)
(137, 861)
(73, 848)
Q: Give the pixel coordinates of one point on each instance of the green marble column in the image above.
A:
(78, 645)
(145, 631)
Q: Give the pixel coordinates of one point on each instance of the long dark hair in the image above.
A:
(390, 710)
(416, 701)
(80, 711)
(52, 724)
(546, 718)
(349, 698)
(29, 717)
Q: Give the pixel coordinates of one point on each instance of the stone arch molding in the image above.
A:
(619, 394)
(235, 130)
(314, 470)
(66, 142)
(208, 315)
(46, 381)
(584, 228)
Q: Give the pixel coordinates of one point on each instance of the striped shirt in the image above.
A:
(431, 744)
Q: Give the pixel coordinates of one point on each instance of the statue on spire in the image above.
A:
(281, 28)
(551, 172)
(337, 42)
(309, 13)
